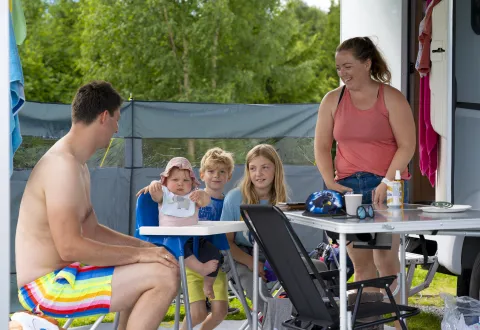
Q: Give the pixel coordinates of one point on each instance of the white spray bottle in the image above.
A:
(395, 192)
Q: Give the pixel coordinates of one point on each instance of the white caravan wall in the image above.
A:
(467, 121)
(381, 20)
(467, 157)
(467, 55)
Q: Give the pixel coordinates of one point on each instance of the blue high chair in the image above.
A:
(147, 215)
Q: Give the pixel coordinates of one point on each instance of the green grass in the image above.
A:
(424, 321)
(427, 297)
(430, 296)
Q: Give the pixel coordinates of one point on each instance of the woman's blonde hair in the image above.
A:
(278, 192)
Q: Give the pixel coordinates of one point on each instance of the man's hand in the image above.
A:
(158, 254)
(200, 197)
(261, 271)
(144, 190)
(146, 244)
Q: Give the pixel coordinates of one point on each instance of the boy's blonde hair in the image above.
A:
(278, 193)
(215, 156)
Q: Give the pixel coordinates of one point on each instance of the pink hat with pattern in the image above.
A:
(183, 164)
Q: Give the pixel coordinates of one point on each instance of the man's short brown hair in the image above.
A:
(93, 99)
(216, 156)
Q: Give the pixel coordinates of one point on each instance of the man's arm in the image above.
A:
(100, 233)
(67, 204)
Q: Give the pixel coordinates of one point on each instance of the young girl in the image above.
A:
(263, 183)
(179, 201)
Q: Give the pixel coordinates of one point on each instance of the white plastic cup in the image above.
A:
(352, 202)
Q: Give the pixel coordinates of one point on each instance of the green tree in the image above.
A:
(245, 51)
(50, 51)
(330, 40)
(296, 79)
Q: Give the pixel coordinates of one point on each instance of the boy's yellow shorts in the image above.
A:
(195, 286)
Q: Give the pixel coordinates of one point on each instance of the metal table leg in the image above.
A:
(343, 281)
(239, 288)
(401, 281)
(176, 325)
(97, 323)
(186, 301)
(255, 287)
(116, 320)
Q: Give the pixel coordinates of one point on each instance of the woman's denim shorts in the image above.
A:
(364, 183)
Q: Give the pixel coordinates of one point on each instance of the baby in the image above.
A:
(179, 201)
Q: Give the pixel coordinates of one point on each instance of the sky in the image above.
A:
(322, 4)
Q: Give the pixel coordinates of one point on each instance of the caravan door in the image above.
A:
(441, 109)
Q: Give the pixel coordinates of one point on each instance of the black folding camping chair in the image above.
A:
(274, 234)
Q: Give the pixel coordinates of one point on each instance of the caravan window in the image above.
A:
(476, 16)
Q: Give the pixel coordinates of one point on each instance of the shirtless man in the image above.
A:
(58, 234)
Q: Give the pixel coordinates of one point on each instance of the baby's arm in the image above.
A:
(200, 197)
(155, 190)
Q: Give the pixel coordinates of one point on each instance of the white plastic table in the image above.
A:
(203, 228)
(410, 220)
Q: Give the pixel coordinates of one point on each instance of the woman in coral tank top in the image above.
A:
(373, 126)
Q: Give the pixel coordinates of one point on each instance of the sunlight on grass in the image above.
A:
(424, 321)
(431, 295)
(87, 320)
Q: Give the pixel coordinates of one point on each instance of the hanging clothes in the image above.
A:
(427, 137)
(17, 94)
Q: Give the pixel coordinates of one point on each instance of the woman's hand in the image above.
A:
(338, 187)
(380, 194)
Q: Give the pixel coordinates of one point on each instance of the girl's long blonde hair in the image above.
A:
(278, 192)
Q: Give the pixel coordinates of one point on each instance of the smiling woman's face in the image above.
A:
(351, 71)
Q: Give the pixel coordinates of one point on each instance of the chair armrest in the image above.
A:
(327, 275)
(379, 282)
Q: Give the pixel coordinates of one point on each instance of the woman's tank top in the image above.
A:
(365, 140)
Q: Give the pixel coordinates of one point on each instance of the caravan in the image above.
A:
(454, 109)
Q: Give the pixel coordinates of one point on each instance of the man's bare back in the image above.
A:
(36, 254)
